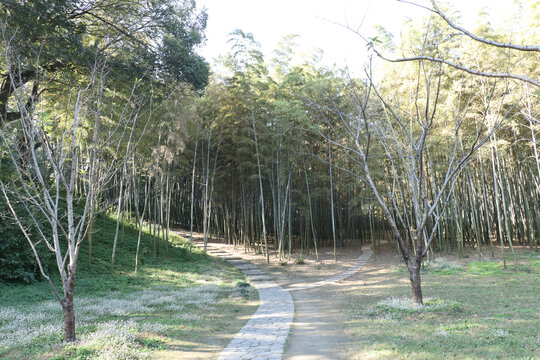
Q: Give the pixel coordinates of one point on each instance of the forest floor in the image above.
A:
(475, 309)
(187, 305)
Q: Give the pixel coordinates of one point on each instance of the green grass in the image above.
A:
(526, 262)
(482, 311)
(182, 294)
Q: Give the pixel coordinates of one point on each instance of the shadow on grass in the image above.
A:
(489, 313)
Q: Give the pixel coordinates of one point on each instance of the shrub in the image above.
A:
(17, 261)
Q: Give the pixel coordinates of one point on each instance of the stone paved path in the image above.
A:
(264, 335)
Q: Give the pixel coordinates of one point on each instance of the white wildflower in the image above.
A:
(500, 333)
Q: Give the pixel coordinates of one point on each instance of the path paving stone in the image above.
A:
(259, 277)
(247, 266)
(264, 335)
(250, 272)
(238, 262)
(230, 257)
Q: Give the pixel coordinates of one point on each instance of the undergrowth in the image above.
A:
(179, 293)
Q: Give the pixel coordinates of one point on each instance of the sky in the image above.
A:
(316, 22)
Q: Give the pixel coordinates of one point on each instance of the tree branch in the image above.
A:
(480, 39)
(463, 68)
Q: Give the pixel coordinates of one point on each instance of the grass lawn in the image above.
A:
(181, 302)
(474, 309)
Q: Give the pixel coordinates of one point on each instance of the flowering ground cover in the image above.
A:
(183, 297)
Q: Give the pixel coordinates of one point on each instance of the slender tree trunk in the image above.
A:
(289, 226)
(311, 212)
(265, 239)
(332, 200)
(497, 206)
(206, 172)
(90, 235)
(193, 187)
(67, 307)
(488, 221)
(140, 220)
(118, 212)
(168, 209)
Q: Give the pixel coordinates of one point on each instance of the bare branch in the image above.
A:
(29, 239)
(463, 68)
(444, 61)
(480, 39)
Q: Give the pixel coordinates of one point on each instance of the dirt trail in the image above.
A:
(315, 334)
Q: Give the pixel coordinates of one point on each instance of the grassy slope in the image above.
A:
(183, 295)
(477, 311)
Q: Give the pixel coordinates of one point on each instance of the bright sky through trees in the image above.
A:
(270, 20)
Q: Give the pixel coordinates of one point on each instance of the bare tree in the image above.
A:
(402, 139)
(57, 154)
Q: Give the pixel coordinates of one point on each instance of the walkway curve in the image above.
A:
(264, 335)
(360, 262)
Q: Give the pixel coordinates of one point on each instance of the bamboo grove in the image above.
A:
(206, 149)
(313, 193)
(273, 153)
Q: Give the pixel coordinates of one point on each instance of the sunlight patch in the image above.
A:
(115, 340)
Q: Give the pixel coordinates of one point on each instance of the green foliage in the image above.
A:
(62, 42)
(245, 289)
(17, 261)
(45, 27)
(151, 342)
(68, 33)
(491, 268)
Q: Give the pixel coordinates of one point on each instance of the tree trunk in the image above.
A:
(140, 221)
(69, 312)
(118, 213)
(332, 200)
(311, 212)
(193, 186)
(265, 240)
(414, 271)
